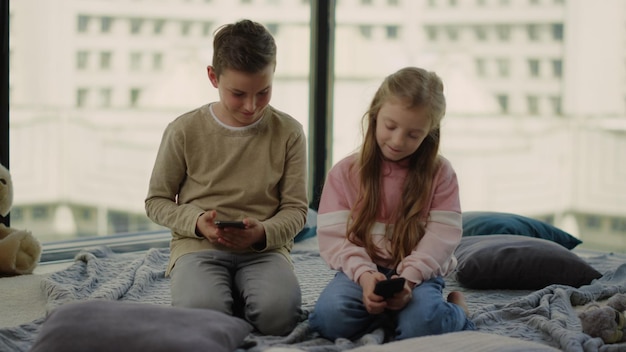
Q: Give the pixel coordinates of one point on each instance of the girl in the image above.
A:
(392, 210)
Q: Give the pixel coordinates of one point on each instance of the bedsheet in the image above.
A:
(545, 316)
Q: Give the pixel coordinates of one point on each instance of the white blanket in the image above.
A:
(545, 316)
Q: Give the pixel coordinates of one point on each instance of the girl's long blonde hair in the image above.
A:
(423, 90)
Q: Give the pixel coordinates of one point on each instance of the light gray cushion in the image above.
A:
(123, 326)
(466, 341)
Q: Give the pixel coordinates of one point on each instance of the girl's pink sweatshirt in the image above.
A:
(433, 256)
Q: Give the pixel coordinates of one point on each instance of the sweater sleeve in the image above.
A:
(167, 175)
(338, 196)
(434, 255)
(290, 218)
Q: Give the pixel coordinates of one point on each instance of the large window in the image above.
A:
(536, 122)
(535, 125)
(92, 86)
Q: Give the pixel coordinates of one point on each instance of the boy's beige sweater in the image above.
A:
(256, 171)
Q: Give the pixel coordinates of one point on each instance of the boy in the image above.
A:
(234, 159)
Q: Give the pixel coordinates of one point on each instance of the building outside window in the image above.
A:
(110, 83)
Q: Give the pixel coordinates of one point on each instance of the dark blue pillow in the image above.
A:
(479, 223)
(310, 228)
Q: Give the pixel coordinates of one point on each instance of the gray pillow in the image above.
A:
(518, 263)
(123, 326)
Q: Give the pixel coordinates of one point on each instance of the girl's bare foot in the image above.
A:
(457, 298)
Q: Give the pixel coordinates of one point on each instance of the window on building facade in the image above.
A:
(453, 33)
(105, 60)
(533, 68)
(272, 28)
(366, 31)
(593, 222)
(207, 29)
(392, 32)
(17, 214)
(135, 60)
(557, 68)
(618, 225)
(556, 105)
(503, 67)
(157, 61)
(81, 97)
(158, 26)
(481, 33)
(431, 32)
(82, 58)
(503, 31)
(557, 31)
(106, 23)
(532, 102)
(40, 212)
(481, 67)
(503, 103)
(135, 94)
(532, 31)
(105, 97)
(83, 23)
(135, 25)
(185, 28)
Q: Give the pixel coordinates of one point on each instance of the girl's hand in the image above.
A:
(242, 238)
(374, 304)
(402, 298)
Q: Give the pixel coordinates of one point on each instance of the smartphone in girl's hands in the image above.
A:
(388, 288)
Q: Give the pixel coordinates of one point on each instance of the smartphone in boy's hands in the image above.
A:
(224, 224)
(388, 288)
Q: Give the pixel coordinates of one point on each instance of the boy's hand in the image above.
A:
(205, 226)
(242, 238)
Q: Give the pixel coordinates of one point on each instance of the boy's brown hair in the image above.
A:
(245, 46)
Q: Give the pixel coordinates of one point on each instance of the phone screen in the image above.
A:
(223, 224)
(387, 288)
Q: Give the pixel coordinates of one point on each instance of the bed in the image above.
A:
(530, 312)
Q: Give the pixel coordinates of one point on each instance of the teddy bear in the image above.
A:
(606, 321)
(20, 251)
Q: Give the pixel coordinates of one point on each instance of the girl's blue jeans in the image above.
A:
(340, 313)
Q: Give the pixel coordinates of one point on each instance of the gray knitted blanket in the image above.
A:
(546, 316)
